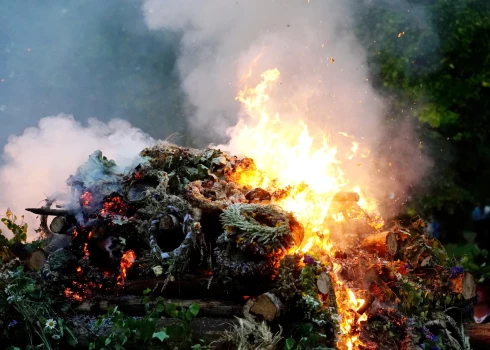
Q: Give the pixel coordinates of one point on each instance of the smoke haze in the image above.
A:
(324, 78)
(38, 162)
(176, 66)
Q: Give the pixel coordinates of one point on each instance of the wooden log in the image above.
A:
(206, 328)
(479, 335)
(49, 211)
(324, 284)
(383, 243)
(346, 197)
(463, 284)
(59, 224)
(136, 307)
(192, 287)
(267, 306)
(57, 241)
(36, 260)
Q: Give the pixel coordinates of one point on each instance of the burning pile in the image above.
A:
(182, 224)
(278, 234)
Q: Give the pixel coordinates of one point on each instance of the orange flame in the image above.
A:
(85, 251)
(288, 157)
(69, 294)
(127, 260)
(86, 198)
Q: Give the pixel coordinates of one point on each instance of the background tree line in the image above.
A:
(436, 64)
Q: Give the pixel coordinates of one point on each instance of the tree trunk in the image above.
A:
(383, 243)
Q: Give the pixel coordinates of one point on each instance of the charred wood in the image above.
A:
(49, 211)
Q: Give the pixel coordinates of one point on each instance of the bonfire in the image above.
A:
(261, 242)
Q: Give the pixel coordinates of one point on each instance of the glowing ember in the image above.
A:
(127, 260)
(85, 251)
(288, 158)
(86, 198)
(71, 295)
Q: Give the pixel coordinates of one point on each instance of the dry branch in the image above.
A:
(49, 211)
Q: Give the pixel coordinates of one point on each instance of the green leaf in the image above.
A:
(290, 343)
(91, 346)
(146, 291)
(194, 308)
(107, 341)
(162, 335)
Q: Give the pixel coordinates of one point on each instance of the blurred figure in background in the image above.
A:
(477, 213)
(434, 228)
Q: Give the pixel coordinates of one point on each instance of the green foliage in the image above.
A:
(437, 70)
(254, 224)
(26, 309)
(476, 263)
(19, 230)
(132, 332)
(304, 337)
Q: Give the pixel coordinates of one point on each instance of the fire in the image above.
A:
(127, 260)
(86, 198)
(288, 157)
(69, 294)
(85, 251)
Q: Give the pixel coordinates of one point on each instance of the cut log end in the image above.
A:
(58, 224)
(463, 284)
(323, 283)
(36, 260)
(266, 306)
(382, 243)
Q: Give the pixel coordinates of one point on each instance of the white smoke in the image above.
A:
(222, 38)
(324, 77)
(37, 163)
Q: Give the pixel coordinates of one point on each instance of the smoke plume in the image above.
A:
(37, 163)
(324, 79)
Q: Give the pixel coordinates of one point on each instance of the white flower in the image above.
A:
(56, 336)
(50, 323)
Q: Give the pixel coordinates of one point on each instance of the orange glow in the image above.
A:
(308, 169)
(85, 251)
(79, 269)
(127, 260)
(86, 198)
(69, 294)
(90, 235)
